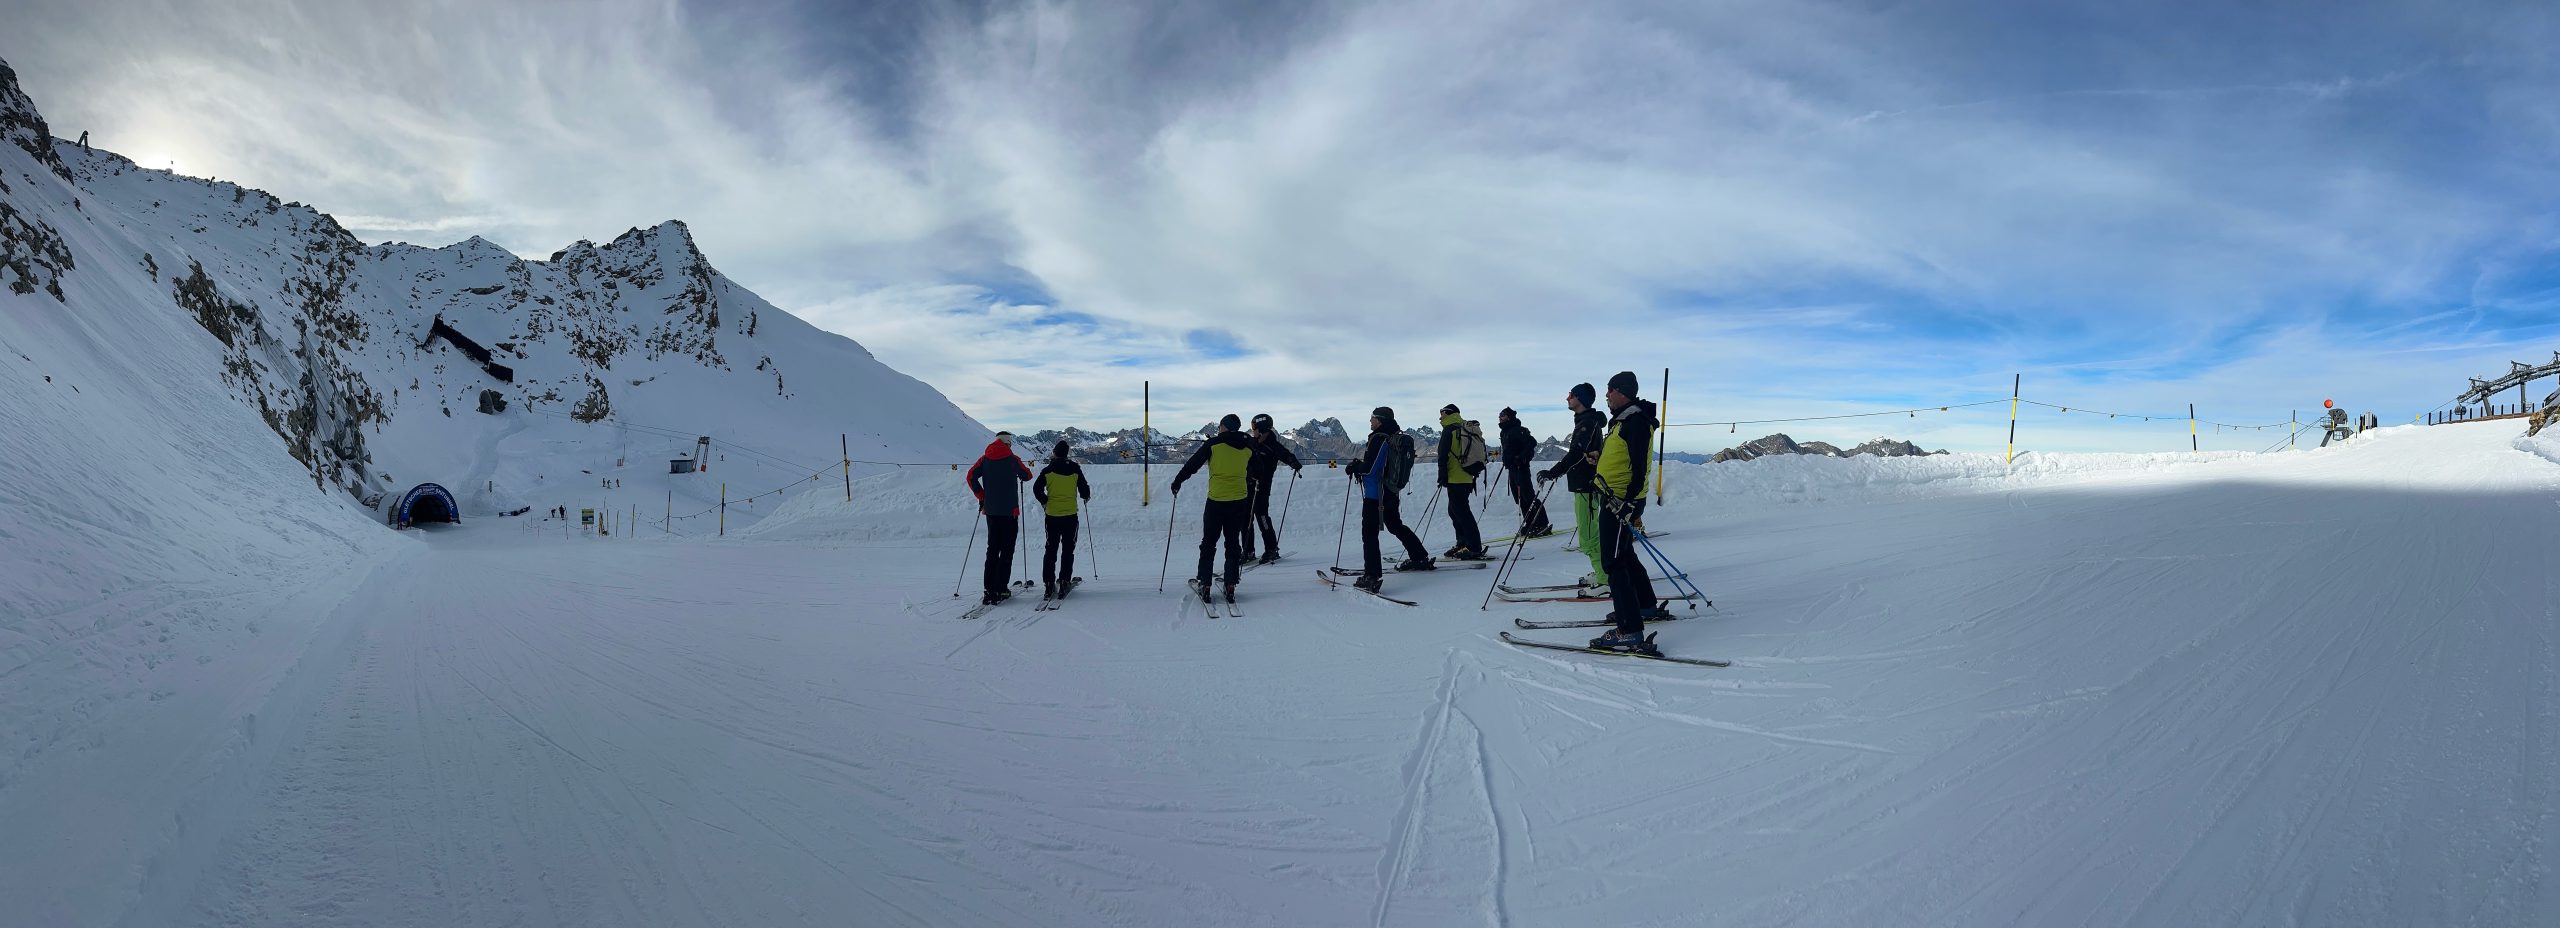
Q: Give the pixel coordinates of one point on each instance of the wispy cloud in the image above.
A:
(1313, 209)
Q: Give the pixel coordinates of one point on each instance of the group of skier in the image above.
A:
(1604, 466)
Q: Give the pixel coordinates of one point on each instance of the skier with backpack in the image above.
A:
(1462, 459)
(1059, 488)
(1229, 511)
(997, 479)
(1581, 457)
(1382, 469)
(1269, 452)
(1518, 448)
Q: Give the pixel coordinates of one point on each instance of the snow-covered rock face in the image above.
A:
(375, 364)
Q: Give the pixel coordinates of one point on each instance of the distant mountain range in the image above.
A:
(1327, 440)
(1781, 444)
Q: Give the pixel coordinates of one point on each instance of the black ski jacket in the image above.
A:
(1518, 446)
(1577, 468)
(1267, 458)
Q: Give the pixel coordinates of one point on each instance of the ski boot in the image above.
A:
(1202, 585)
(1638, 643)
(1416, 563)
(1048, 590)
(1231, 594)
(1269, 557)
(991, 598)
(1369, 583)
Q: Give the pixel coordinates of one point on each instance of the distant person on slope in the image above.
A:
(1269, 452)
(1518, 448)
(1383, 468)
(1620, 474)
(1228, 456)
(1058, 488)
(1581, 459)
(1462, 457)
(997, 480)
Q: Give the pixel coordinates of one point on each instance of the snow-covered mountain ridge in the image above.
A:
(375, 364)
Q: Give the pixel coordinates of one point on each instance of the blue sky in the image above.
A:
(1802, 208)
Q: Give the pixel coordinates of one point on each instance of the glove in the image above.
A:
(1294, 469)
(1549, 477)
(1177, 488)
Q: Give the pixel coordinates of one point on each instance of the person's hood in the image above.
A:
(1068, 467)
(1234, 440)
(999, 449)
(1640, 407)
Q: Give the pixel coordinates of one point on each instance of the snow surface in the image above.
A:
(2313, 687)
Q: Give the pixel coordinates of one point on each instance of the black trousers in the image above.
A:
(1533, 513)
(1622, 555)
(1223, 520)
(1381, 513)
(1259, 492)
(1001, 528)
(1462, 518)
(1058, 556)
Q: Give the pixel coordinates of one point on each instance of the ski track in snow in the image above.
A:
(2303, 689)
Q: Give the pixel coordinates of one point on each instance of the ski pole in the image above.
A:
(1021, 548)
(1680, 582)
(1339, 533)
(1170, 507)
(1510, 555)
(1092, 557)
(1427, 508)
(964, 555)
(1285, 500)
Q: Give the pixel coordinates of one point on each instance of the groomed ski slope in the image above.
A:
(2303, 688)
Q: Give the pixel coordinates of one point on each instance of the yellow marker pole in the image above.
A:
(1661, 410)
(2191, 429)
(2014, 380)
(724, 510)
(844, 445)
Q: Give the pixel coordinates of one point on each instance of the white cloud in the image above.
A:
(1802, 207)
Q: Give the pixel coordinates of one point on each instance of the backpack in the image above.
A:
(1471, 456)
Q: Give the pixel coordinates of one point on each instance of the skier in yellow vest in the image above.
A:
(1058, 488)
(1229, 512)
(1618, 484)
(1462, 458)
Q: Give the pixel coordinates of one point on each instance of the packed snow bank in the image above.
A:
(2218, 694)
(2546, 444)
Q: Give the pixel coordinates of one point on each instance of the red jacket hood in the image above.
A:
(999, 449)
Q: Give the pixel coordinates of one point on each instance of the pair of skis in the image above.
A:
(1210, 605)
(1051, 603)
(1640, 655)
(1331, 580)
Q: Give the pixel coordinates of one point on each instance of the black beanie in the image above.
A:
(1262, 420)
(1583, 392)
(1059, 452)
(1625, 383)
(1230, 422)
(1449, 410)
(1506, 413)
(1383, 412)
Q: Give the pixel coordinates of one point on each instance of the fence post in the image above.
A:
(844, 444)
(724, 510)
